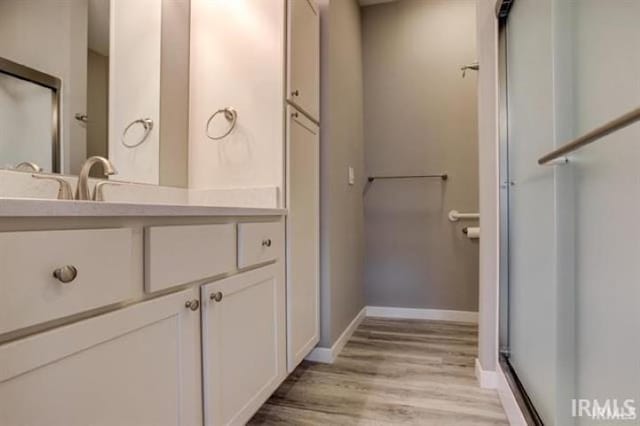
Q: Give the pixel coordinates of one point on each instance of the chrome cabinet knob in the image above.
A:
(266, 242)
(216, 297)
(66, 274)
(295, 93)
(192, 304)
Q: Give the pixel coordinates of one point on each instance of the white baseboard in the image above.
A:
(329, 355)
(487, 379)
(426, 314)
(508, 401)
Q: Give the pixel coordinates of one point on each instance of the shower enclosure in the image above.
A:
(570, 247)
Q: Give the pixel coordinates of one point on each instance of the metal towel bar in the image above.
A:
(597, 133)
(442, 176)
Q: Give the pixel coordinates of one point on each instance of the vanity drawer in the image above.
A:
(30, 293)
(176, 255)
(259, 242)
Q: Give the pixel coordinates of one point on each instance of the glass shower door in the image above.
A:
(532, 281)
(573, 244)
(606, 70)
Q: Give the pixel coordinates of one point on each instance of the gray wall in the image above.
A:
(489, 183)
(97, 104)
(341, 146)
(420, 118)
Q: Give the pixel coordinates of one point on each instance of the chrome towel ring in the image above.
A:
(147, 124)
(232, 117)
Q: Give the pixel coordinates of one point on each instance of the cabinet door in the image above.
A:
(304, 56)
(243, 344)
(303, 202)
(136, 366)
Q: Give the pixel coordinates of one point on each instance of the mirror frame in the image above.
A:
(31, 75)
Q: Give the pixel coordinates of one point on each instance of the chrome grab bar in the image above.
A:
(455, 215)
(597, 133)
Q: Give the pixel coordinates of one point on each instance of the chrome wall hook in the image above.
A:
(475, 66)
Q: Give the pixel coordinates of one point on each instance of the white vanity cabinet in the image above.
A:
(243, 337)
(165, 321)
(303, 85)
(135, 366)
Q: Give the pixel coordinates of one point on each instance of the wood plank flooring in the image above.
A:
(391, 372)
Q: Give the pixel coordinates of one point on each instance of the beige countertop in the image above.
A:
(31, 207)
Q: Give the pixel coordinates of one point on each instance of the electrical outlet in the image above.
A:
(352, 176)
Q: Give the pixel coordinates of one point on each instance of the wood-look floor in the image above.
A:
(391, 372)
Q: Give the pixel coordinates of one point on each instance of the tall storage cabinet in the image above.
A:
(303, 59)
(303, 180)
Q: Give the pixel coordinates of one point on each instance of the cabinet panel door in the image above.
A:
(243, 344)
(304, 56)
(303, 244)
(136, 366)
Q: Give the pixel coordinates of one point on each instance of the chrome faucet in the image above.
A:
(28, 166)
(83, 180)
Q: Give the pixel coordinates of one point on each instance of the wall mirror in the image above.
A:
(95, 77)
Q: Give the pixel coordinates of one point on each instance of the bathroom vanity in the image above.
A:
(136, 314)
(177, 281)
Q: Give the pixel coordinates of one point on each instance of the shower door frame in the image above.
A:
(517, 388)
(54, 84)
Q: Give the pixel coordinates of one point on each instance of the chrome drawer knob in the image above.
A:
(66, 274)
(216, 297)
(266, 242)
(192, 304)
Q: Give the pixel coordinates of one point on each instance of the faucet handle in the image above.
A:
(98, 192)
(64, 188)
